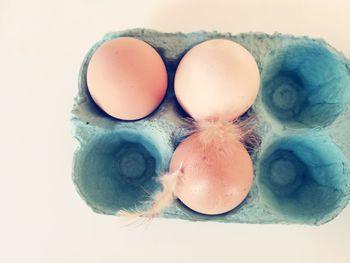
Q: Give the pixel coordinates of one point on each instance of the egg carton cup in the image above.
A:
(301, 167)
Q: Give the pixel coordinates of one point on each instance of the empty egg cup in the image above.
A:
(301, 175)
(304, 178)
(305, 85)
(117, 170)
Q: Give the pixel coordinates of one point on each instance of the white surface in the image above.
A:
(42, 218)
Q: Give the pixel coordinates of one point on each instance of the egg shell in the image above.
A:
(213, 180)
(127, 78)
(217, 77)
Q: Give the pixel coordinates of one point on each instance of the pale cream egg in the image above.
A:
(217, 77)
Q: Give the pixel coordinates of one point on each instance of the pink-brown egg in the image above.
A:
(217, 78)
(213, 180)
(127, 78)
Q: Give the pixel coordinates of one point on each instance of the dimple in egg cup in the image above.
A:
(301, 167)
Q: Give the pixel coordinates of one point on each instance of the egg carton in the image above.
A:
(301, 167)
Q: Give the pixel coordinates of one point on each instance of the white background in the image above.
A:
(42, 218)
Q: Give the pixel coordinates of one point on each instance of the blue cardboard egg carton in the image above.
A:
(301, 167)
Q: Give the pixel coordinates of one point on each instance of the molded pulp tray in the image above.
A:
(301, 167)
